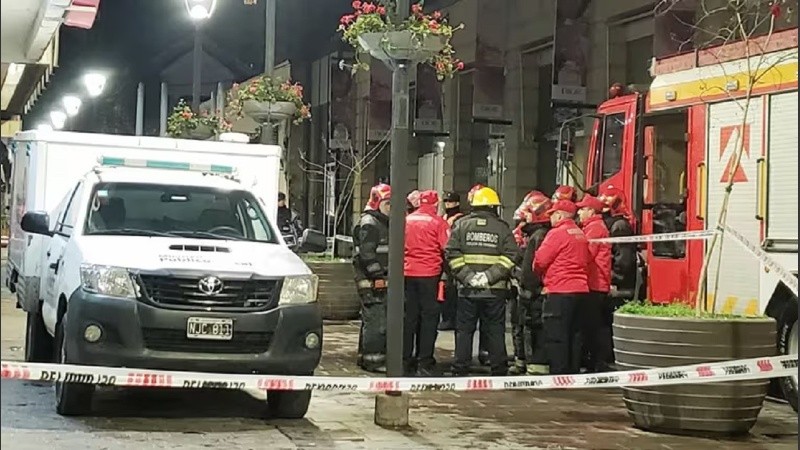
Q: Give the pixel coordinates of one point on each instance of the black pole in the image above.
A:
(197, 65)
(397, 216)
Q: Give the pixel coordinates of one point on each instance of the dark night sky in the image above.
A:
(129, 34)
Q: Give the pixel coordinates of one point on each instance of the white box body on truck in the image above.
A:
(162, 254)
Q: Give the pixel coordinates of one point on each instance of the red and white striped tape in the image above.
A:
(745, 369)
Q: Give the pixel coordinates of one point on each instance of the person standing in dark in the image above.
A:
(288, 222)
(426, 238)
(530, 353)
(562, 262)
(371, 264)
(452, 212)
(595, 331)
(481, 254)
(624, 259)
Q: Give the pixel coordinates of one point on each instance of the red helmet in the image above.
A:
(565, 192)
(536, 207)
(612, 196)
(377, 194)
(429, 198)
(518, 213)
(473, 190)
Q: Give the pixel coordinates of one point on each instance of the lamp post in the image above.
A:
(199, 11)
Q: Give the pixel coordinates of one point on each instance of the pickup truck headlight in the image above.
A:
(107, 280)
(299, 289)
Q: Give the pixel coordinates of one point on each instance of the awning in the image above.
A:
(29, 43)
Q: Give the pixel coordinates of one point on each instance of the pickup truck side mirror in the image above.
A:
(36, 222)
(312, 241)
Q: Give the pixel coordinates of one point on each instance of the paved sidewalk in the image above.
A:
(584, 419)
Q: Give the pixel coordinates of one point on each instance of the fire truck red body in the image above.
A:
(671, 151)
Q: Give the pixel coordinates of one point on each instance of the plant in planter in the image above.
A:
(184, 123)
(370, 27)
(337, 295)
(648, 336)
(265, 98)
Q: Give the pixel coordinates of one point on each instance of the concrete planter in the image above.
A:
(338, 298)
(731, 408)
(263, 112)
(201, 133)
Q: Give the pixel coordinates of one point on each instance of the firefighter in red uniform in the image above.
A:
(529, 352)
(452, 212)
(594, 330)
(562, 261)
(565, 192)
(426, 238)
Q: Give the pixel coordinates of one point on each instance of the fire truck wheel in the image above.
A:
(787, 345)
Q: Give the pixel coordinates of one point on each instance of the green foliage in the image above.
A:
(266, 89)
(183, 121)
(369, 17)
(675, 309)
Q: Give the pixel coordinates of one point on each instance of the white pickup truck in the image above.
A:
(160, 254)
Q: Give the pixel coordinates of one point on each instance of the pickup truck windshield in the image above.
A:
(135, 209)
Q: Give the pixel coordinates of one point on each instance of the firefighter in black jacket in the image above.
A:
(624, 265)
(371, 263)
(530, 356)
(481, 255)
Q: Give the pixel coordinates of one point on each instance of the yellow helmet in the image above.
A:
(485, 197)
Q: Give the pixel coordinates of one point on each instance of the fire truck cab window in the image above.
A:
(669, 182)
(609, 159)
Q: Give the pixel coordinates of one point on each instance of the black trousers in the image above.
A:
(592, 326)
(421, 321)
(372, 338)
(559, 316)
(491, 312)
(610, 305)
(529, 336)
(450, 304)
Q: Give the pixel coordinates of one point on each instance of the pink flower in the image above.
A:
(460, 65)
(416, 8)
(369, 8)
(381, 10)
(433, 25)
(347, 19)
(775, 10)
(357, 4)
(437, 15)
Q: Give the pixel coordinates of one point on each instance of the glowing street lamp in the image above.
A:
(72, 105)
(200, 9)
(58, 119)
(95, 83)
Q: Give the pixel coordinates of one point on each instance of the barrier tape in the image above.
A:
(738, 370)
(785, 275)
(661, 237)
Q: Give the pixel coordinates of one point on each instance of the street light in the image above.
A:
(58, 118)
(95, 83)
(72, 105)
(200, 9)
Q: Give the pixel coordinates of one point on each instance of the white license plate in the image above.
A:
(209, 328)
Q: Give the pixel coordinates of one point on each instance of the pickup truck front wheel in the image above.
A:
(288, 404)
(72, 399)
(38, 343)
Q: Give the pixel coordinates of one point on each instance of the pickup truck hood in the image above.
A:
(168, 253)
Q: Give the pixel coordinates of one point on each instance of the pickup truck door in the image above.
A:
(65, 223)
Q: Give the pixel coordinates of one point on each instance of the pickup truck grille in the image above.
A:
(185, 293)
(167, 340)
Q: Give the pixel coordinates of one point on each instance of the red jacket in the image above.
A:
(563, 259)
(426, 237)
(600, 265)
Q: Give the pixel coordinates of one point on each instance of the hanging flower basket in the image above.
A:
(263, 112)
(401, 45)
(184, 123)
(268, 99)
(420, 38)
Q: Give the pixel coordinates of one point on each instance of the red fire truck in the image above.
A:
(670, 150)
